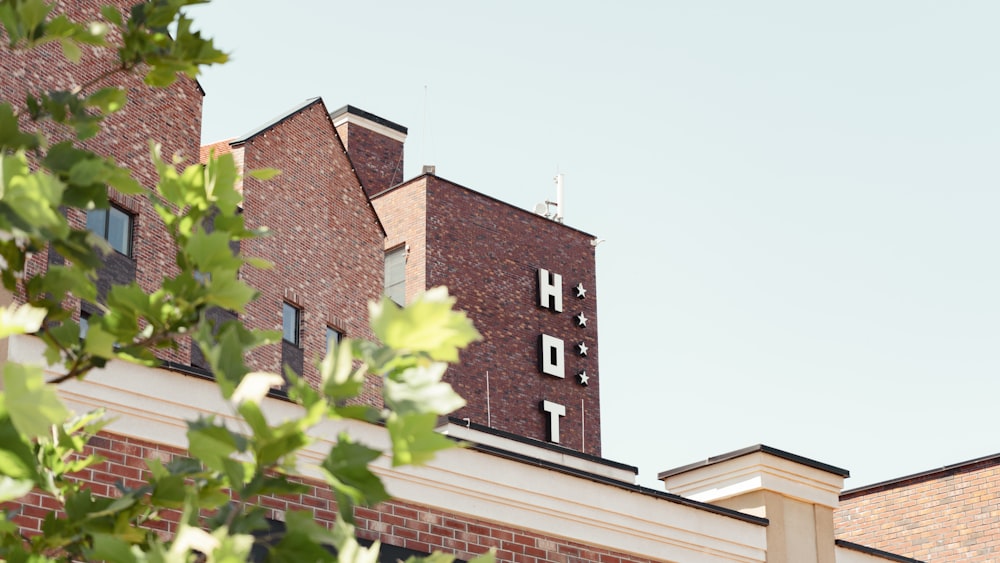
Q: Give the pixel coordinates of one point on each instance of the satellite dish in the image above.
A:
(541, 209)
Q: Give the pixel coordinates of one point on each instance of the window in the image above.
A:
(290, 319)
(395, 275)
(84, 324)
(114, 225)
(333, 337)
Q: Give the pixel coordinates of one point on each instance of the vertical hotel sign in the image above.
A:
(552, 348)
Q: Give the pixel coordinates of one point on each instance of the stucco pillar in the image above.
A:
(797, 495)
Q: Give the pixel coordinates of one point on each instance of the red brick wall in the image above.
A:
(950, 515)
(170, 116)
(394, 523)
(404, 212)
(377, 159)
(488, 254)
(325, 242)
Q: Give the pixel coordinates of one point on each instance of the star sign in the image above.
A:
(581, 320)
(584, 378)
(583, 348)
(581, 292)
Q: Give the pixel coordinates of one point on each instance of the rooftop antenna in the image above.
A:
(544, 208)
(423, 144)
(559, 197)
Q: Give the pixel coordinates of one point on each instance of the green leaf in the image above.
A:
(436, 557)
(264, 173)
(107, 547)
(17, 460)
(414, 440)
(427, 325)
(364, 413)
(121, 179)
(108, 100)
(11, 488)
(488, 557)
(348, 548)
(339, 377)
(285, 441)
(236, 471)
(353, 483)
(230, 293)
(279, 485)
(11, 136)
(233, 548)
(212, 444)
(59, 281)
(70, 50)
(33, 406)
(211, 252)
(111, 14)
(99, 342)
(20, 319)
(169, 492)
(304, 540)
(255, 386)
(420, 390)
(33, 13)
(224, 353)
(86, 171)
(220, 184)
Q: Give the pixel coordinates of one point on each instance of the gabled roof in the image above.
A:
(242, 139)
(276, 121)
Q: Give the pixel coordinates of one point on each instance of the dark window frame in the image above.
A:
(106, 227)
(295, 325)
(84, 324)
(331, 330)
(396, 258)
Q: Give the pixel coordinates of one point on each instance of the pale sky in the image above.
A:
(799, 201)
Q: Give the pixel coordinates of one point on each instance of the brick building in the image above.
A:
(451, 236)
(347, 227)
(943, 515)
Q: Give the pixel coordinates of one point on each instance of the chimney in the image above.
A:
(375, 146)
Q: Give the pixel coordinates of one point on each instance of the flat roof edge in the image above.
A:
(928, 474)
(543, 445)
(876, 552)
(405, 183)
(639, 489)
(761, 448)
(369, 116)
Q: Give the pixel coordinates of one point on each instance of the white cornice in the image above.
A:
(525, 449)
(757, 471)
(154, 404)
(369, 124)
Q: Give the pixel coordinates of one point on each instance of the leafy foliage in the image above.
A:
(218, 489)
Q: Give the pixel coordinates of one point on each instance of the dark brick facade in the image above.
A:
(170, 116)
(377, 158)
(325, 242)
(488, 254)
